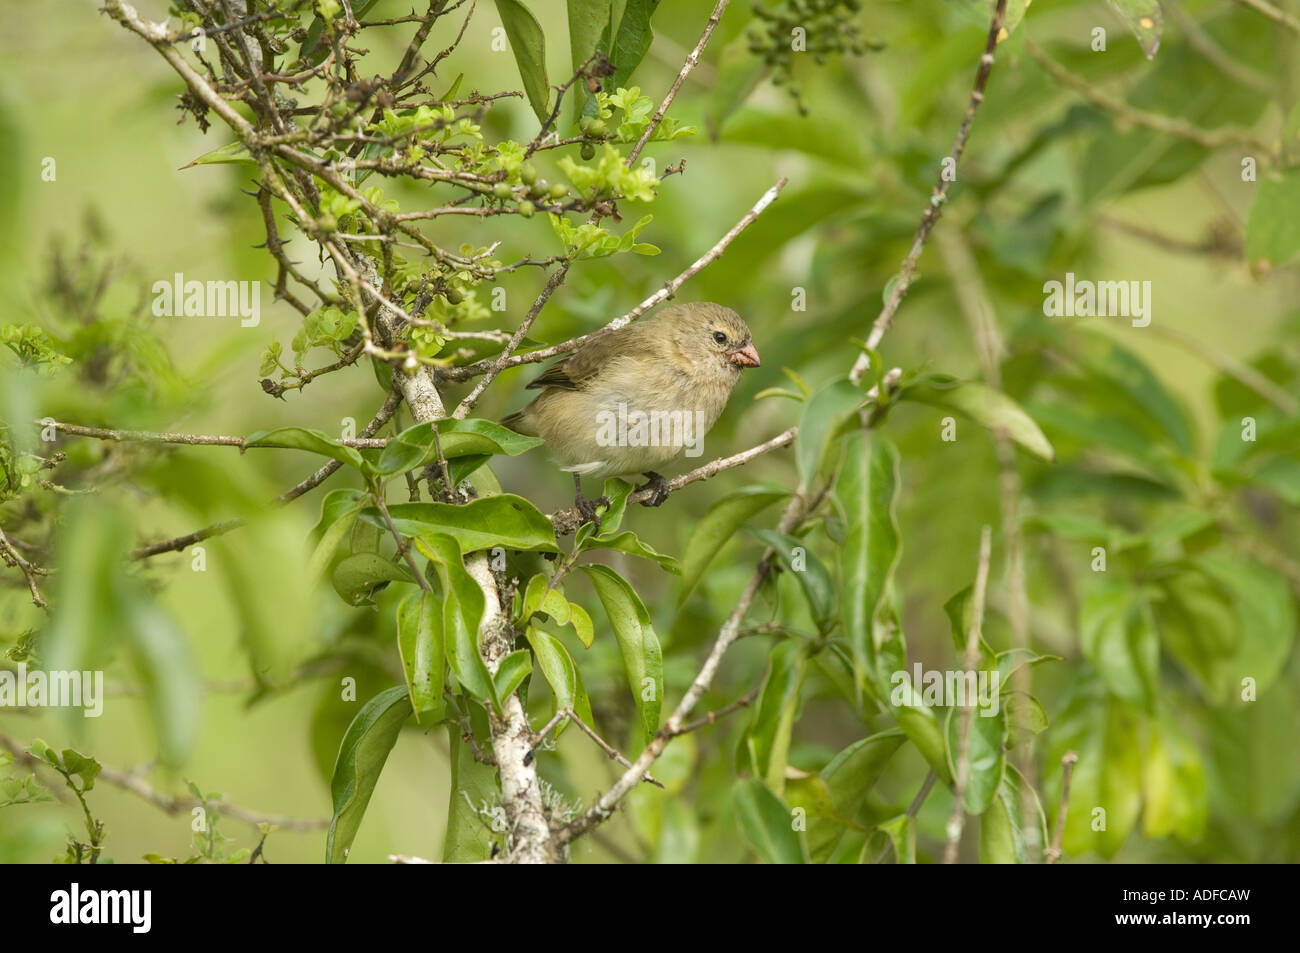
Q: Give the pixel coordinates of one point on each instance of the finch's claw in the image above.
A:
(588, 507)
(658, 488)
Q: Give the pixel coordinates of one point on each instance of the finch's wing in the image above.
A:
(578, 370)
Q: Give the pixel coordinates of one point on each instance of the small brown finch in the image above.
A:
(630, 400)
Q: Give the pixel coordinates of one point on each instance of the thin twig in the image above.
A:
(1053, 853)
(691, 61)
(934, 208)
(1156, 122)
(180, 543)
(958, 817)
(9, 553)
(130, 781)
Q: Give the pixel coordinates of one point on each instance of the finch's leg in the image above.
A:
(587, 507)
(657, 486)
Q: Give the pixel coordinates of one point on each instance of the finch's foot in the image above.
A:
(587, 508)
(658, 488)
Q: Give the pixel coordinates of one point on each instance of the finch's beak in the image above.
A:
(748, 357)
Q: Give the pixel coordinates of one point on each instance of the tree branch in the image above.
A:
(691, 61)
(934, 208)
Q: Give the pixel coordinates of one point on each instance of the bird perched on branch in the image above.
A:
(629, 401)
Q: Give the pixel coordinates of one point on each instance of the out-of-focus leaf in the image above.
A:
(823, 415)
(528, 44)
(1118, 636)
(766, 823)
(813, 577)
(1173, 784)
(1106, 786)
(313, 441)
(986, 746)
(987, 407)
(766, 741)
(1273, 226)
(901, 831)
(719, 525)
(1146, 21)
(362, 754)
(1002, 826)
(867, 490)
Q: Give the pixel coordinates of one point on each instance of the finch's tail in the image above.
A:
(519, 422)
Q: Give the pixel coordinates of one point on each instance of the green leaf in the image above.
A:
(1173, 784)
(514, 668)
(987, 756)
(766, 823)
(508, 521)
(356, 578)
(719, 525)
(362, 754)
(1146, 21)
(1117, 635)
(462, 612)
(165, 668)
(589, 22)
(414, 447)
(632, 40)
(823, 415)
(1002, 826)
(1273, 226)
(901, 831)
(562, 675)
(813, 577)
(1103, 731)
(420, 643)
(853, 772)
(335, 523)
(987, 407)
(867, 491)
(313, 441)
(627, 542)
(529, 47)
(642, 658)
(473, 791)
(230, 152)
(766, 741)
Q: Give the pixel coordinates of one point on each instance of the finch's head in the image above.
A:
(717, 334)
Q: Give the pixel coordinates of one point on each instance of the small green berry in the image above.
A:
(502, 191)
(526, 209)
(588, 151)
(559, 190)
(527, 173)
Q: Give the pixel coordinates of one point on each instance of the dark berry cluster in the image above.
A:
(792, 28)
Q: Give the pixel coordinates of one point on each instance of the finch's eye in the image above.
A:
(719, 337)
